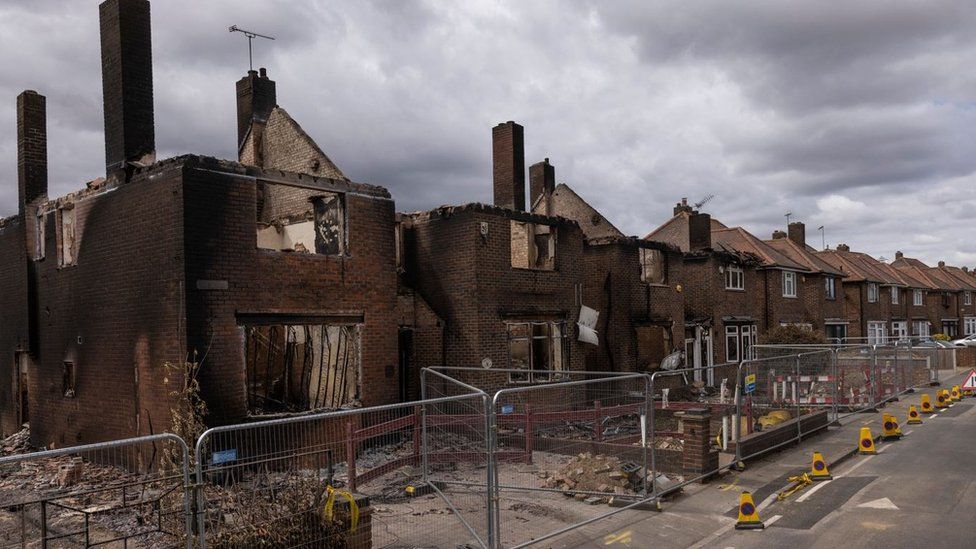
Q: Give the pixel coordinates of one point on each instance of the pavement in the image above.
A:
(916, 491)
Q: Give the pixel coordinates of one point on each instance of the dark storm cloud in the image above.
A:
(848, 114)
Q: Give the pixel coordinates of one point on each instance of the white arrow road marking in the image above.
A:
(883, 503)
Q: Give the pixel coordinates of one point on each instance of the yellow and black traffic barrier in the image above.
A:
(889, 427)
(865, 445)
(927, 404)
(940, 399)
(955, 395)
(818, 469)
(914, 418)
(748, 514)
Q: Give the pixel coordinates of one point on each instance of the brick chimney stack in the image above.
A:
(31, 149)
(542, 183)
(508, 165)
(899, 255)
(699, 231)
(256, 97)
(942, 264)
(798, 233)
(778, 235)
(127, 86)
(682, 207)
(843, 248)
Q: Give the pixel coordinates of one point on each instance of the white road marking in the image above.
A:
(882, 503)
(882, 449)
(812, 491)
(908, 432)
(772, 519)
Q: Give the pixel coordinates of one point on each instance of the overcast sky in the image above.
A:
(859, 116)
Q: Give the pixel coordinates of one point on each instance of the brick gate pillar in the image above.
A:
(698, 457)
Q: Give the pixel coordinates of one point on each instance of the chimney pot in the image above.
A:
(508, 165)
(778, 234)
(263, 72)
(942, 264)
(843, 248)
(31, 148)
(699, 231)
(682, 206)
(542, 183)
(899, 255)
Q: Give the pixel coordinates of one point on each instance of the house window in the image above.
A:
(872, 293)
(734, 278)
(836, 333)
(749, 334)
(967, 298)
(950, 328)
(68, 379)
(945, 300)
(876, 333)
(731, 343)
(830, 287)
(67, 249)
(539, 348)
(969, 325)
(652, 266)
(894, 295)
(789, 284)
(899, 330)
(40, 231)
(533, 246)
(299, 367)
(317, 226)
(921, 328)
(653, 344)
(917, 298)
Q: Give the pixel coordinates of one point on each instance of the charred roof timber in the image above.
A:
(127, 85)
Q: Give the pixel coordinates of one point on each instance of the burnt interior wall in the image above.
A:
(13, 317)
(614, 287)
(228, 275)
(460, 262)
(116, 314)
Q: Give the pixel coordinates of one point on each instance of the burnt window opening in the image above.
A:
(398, 239)
(67, 243)
(540, 348)
(68, 379)
(653, 345)
(293, 220)
(40, 231)
(652, 266)
(533, 246)
(295, 368)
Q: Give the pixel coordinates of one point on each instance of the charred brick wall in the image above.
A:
(13, 317)
(115, 314)
(227, 275)
(613, 286)
(459, 260)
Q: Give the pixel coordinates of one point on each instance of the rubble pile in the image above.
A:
(17, 443)
(594, 473)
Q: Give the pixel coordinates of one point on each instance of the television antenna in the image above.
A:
(788, 214)
(251, 35)
(703, 201)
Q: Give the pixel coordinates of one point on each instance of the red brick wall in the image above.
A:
(221, 245)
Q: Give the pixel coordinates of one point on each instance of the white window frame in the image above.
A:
(894, 295)
(830, 287)
(876, 332)
(732, 335)
(969, 325)
(899, 330)
(918, 298)
(921, 328)
(735, 277)
(872, 292)
(789, 284)
(967, 298)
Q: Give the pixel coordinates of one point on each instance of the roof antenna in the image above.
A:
(703, 201)
(788, 214)
(250, 36)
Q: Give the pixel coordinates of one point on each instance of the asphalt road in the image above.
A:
(918, 491)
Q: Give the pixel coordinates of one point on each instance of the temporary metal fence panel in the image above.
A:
(336, 479)
(563, 450)
(131, 492)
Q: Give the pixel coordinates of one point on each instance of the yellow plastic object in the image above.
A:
(940, 399)
(748, 514)
(927, 405)
(889, 427)
(328, 511)
(914, 418)
(865, 445)
(818, 468)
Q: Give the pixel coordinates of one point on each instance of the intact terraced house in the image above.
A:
(277, 273)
